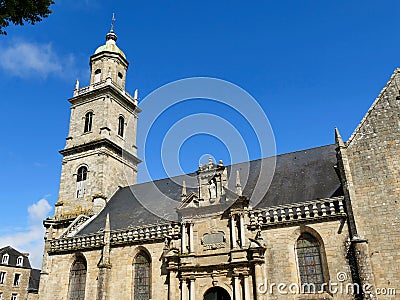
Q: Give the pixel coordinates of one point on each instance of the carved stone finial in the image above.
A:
(338, 138)
(107, 227)
(77, 84)
(184, 194)
(238, 185)
(136, 94)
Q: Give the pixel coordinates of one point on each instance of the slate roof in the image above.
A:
(298, 176)
(34, 281)
(13, 255)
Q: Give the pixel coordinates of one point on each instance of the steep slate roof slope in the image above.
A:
(299, 176)
(13, 255)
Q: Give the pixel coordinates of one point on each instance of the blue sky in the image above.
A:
(311, 66)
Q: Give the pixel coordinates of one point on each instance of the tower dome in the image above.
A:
(110, 45)
(108, 61)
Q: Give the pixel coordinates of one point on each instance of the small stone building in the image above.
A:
(18, 281)
(323, 225)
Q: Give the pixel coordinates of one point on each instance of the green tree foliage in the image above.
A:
(19, 12)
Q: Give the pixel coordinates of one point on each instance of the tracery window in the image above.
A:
(121, 126)
(141, 271)
(309, 260)
(77, 279)
(88, 122)
(81, 181)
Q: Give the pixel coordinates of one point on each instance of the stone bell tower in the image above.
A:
(100, 153)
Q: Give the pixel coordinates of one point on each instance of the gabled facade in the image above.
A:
(325, 216)
(18, 281)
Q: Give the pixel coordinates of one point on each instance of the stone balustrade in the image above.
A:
(317, 209)
(101, 84)
(118, 237)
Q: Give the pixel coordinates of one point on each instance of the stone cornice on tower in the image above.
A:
(93, 90)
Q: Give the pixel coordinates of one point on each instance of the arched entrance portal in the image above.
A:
(216, 293)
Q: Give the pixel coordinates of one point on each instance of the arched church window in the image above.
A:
(141, 269)
(97, 76)
(88, 122)
(309, 259)
(121, 125)
(81, 177)
(77, 279)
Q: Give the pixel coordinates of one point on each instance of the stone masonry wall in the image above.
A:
(8, 287)
(121, 277)
(281, 262)
(374, 159)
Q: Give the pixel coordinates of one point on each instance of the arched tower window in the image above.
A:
(77, 279)
(81, 177)
(97, 76)
(141, 269)
(119, 78)
(309, 259)
(121, 126)
(88, 122)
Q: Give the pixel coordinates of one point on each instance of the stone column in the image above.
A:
(246, 287)
(242, 236)
(191, 240)
(172, 286)
(183, 239)
(192, 289)
(184, 291)
(233, 231)
(258, 279)
(237, 295)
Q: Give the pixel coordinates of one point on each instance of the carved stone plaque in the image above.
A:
(213, 241)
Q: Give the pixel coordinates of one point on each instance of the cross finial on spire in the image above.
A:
(112, 22)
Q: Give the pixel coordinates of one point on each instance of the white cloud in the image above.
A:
(26, 60)
(31, 238)
(39, 210)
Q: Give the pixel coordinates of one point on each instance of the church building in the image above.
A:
(327, 226)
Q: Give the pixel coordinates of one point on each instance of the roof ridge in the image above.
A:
(392, 77)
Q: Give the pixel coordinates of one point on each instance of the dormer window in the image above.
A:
(88, 122)
(5, 259)
(121, 126)
(81, 181)
(20, 261)
(97, 76)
